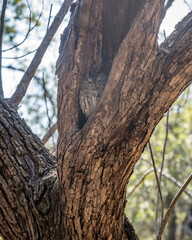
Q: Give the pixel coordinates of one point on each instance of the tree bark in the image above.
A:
(98, 148)
(28, 181)
(115, 84)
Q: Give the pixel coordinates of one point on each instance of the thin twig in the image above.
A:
(186, 99)
(171, 206)
(187, 4)
(158, 184)
(49, 95)
(19, 70)
(170, 178)
(29, 27)
(47, 111)
(21, 55)
(1, 42)
(50, 11)
(167, 6)
(140, 181)
(24, 83)
(49, 133)
(178, 184)
(161, 168)
(165, 144)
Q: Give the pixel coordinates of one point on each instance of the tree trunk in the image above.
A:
(115, 84)
(28, 181)
(102, 133)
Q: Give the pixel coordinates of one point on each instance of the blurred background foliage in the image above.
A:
(26, 21)
(177, 165)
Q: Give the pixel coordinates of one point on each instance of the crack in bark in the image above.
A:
(29, 198)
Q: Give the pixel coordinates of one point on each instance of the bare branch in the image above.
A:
(19, 70)
(1, 42)
(50, 11)
(47, 110)
(21, 55)
(187, 4)
(164, 147)
(161, 169)
(140, 181)
(171, 206)
(168, 177)
(158, 183)
(24, 83)
(29, 28)
(49, 133)
(178, 184)
(49, 95)
(167, 6)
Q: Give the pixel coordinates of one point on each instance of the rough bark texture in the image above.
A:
(28, 181)
(115, 84)
(98, 150)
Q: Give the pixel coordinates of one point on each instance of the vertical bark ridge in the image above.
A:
(28, 181)
(96, 163)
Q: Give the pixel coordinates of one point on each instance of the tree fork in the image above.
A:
(96, 160)
(99, 143)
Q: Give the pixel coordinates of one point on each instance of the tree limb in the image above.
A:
(24, 83)
(28, 181)
(142, 84)
(106, 147)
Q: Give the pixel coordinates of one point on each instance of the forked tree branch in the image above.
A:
(1, 42)
(28, 75)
